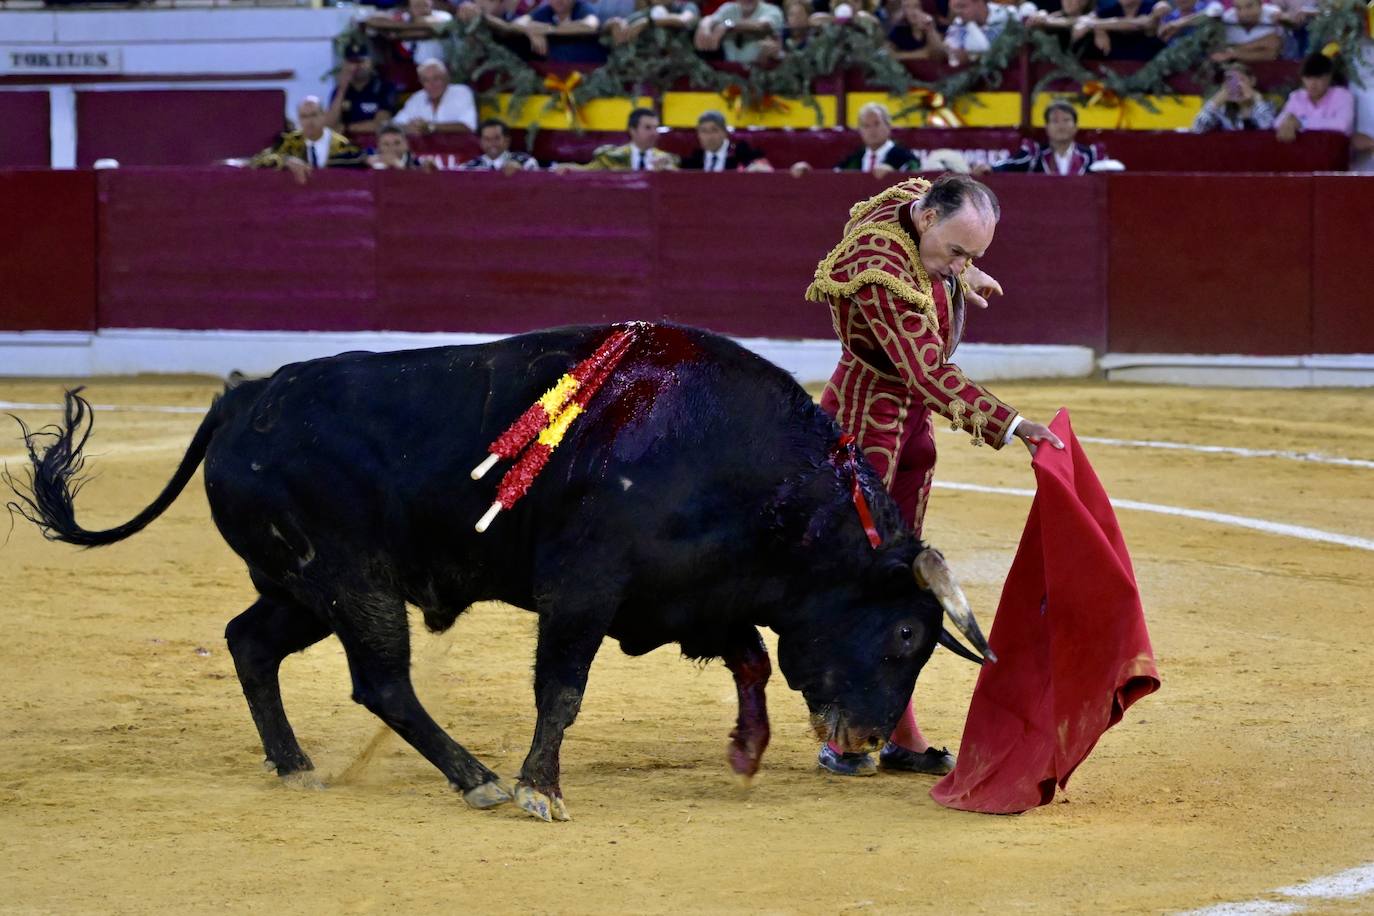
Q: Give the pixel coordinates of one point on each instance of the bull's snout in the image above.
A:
(848, 738)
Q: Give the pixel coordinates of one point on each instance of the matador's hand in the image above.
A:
(1034, 435)
(981, 285)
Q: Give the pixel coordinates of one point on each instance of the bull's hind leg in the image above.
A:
(377, 641)
(748, 662)
(259, 639)
(561, 663)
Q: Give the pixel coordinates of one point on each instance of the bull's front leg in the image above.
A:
(562, 660)
(748, 662)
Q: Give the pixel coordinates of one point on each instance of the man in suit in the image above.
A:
(880, 155)
(1061, 156)
(716, 152)
(312, 146)
(639, 155)
(497, 156)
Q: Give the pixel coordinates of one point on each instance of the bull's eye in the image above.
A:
(905, 633)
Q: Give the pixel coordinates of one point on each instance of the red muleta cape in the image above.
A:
(1073, 652)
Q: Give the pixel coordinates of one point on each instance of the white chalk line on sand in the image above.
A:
(1344, 885)
(1285, 455)
(1235, 451)
(1238, 521)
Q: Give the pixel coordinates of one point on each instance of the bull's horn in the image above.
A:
(933, 575)
(948, 640)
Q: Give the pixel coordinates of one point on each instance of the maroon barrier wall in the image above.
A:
(1129, 263)
(1343, 275)
(1213, 264)
(47, 251)
(479, 252)
(24, 130)
(176, 126)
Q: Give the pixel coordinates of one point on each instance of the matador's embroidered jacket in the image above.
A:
(890, 317)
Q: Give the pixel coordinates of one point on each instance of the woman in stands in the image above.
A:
(1318, 105)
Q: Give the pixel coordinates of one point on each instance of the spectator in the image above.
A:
(975, 27)
(914, 34)
(1177, 19)
(1122, 29)
(1318, 105)
(563, 30)
(1236, 105)
(494, 138)
(1069, 23)
(672, 14)
(417, 29)
(639, 155)
(499, 16)
(1252, 32)
(393, 151)
(313, 146)
(361, 102)
(715, 151)
(1062, 155)
(438, 106)
(880, 154)
(738, 28)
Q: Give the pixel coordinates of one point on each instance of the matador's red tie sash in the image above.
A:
(546, 422)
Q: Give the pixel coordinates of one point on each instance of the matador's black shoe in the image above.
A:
(845, 764)
(932, 761)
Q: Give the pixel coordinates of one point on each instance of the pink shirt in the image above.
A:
(1335, 111)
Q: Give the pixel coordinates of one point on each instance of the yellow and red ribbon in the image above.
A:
(734, 97)
(1097, 93)
(546, 422)
(562, 87)
(935, 110)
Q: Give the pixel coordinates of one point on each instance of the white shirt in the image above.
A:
(641, 160)
(1237, 34)
(424, 49)
(456, 106)
(1063, 162)
(499, 163)
(320, 148)
(975, 38)
(715, 162)
(874, 157)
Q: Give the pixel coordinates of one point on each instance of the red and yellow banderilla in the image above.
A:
(546, 422)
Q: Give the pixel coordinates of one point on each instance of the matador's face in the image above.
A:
(949, 245)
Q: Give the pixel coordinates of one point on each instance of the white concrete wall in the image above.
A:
(177, 41)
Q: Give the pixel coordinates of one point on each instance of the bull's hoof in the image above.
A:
(744, 758)
(487, 795)
(548, 808)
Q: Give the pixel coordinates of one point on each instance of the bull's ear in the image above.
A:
(890, 574)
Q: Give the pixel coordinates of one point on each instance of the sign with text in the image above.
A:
(37, 60)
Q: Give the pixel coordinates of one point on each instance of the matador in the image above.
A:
(897, 285)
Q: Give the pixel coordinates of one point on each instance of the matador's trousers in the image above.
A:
(892, 429)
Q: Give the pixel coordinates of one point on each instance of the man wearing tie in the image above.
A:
(639, 155)
(716, 152)
(880, 155)
(313, 146)
(897, 285)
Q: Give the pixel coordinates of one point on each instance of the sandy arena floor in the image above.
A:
(129, 767)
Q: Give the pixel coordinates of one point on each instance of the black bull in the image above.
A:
(701, 495)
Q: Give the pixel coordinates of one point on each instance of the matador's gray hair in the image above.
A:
(950, 192)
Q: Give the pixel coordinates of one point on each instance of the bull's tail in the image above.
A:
(47, 497)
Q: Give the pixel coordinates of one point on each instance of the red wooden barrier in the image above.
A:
(1343, 270)
(47, 251)
(1127, 263)
(24, 129)
(175, 127)
(1211, 264)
